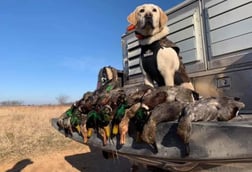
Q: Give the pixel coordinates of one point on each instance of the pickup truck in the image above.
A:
(215, 38)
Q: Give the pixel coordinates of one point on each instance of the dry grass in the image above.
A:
(27, 130)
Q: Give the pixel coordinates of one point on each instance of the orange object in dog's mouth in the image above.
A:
(131, 27)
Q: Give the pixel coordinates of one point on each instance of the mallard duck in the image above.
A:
(70, 120)
(167, 111)
(140, 118)
(104, 122)
(119, 114)
(92, 122)
(207, 109)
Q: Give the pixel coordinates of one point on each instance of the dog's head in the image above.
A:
(148, 19)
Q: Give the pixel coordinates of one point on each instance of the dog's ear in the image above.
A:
(163, 18)
(109, 73)
(132, 18)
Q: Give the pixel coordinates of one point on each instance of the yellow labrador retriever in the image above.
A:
(160, 60)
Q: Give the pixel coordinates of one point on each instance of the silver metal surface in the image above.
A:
(215, 38)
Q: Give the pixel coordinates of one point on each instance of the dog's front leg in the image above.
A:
(148, 80)
(168, 75)
(168, 63)
(169, 78)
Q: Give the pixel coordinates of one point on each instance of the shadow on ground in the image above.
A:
(20, 165)
(95, 162)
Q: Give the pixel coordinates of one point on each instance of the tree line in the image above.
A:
(61, 99)
(11, 103)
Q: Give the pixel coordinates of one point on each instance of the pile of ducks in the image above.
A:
(109, 110)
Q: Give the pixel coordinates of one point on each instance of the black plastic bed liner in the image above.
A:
(217, 143)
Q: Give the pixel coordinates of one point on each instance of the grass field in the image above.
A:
(29, 143)
(27, 130)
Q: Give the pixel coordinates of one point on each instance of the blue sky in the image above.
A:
(50, 48)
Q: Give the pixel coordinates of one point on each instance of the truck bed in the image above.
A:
(212, 144)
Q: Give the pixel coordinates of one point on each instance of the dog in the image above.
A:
(160, 60)
(107, 80)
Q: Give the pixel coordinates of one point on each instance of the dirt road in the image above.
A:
(74, 158)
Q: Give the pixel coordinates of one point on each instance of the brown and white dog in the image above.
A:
(160, 60)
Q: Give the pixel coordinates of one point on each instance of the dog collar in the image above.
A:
(140, 36)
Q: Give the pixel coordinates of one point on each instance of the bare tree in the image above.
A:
(62, 99)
